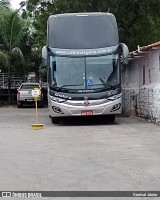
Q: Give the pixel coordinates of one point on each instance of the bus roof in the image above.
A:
(81, 14)
(82, 31)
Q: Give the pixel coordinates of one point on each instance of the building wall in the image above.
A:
(141, 79)
(130, 84)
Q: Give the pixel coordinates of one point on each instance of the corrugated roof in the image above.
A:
(139, 52)
(150, 46)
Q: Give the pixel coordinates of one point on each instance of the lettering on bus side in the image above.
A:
(84, 52)
(62, 96)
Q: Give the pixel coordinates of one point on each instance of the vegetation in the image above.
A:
(4, 3)
(138, 21)
(21, 42)
(13, 32)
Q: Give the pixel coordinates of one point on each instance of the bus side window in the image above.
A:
(49, 75)
(54, 66)
(54, 74)
(113, 76)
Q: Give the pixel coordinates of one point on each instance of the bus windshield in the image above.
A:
(85, 72)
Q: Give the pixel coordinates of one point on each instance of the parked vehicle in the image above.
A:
(24, 95)
(31, 77)
(84, 59)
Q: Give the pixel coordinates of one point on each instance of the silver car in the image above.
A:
(24, 95)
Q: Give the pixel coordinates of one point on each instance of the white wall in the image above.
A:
(148, 94)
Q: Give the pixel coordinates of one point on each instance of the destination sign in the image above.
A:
(83, 52)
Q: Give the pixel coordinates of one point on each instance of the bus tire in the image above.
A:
(111, 118)
(55, 120)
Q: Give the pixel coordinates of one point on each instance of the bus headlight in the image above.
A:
(57, 110)
(58, 100)
(115, 107)
(115, 97)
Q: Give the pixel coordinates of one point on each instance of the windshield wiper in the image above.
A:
(107, 84)
(59, 88)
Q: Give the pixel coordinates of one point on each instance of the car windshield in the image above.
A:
(29, 86)
(85, 72)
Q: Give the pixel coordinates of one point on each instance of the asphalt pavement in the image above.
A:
(85, 154)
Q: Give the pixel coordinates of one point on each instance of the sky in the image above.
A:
(15, 3)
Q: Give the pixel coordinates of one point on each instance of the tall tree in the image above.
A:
(138, 21)
(13, 30)
(5, 3)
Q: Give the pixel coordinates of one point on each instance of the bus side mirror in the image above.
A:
(44, 56)
(125, 53)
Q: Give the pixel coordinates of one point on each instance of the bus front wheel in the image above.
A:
(111, 118)
(55, 120)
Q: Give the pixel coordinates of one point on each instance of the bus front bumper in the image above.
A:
(77, 108)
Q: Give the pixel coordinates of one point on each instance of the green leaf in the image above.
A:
(4, 58)
(17, 53)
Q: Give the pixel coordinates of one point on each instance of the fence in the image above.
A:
(15, 84)
(4, 96)
(15, 81)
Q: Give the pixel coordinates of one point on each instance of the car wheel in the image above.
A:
(19, 105)
(55, 120)
(42, 105)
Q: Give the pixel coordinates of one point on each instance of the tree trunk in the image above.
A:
(9, 85)
(37, 63)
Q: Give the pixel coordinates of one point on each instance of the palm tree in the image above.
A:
(5, 3)
(12, 31)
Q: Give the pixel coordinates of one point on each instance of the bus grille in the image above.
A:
(91, 102)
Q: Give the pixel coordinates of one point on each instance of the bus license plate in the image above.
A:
(87, 112)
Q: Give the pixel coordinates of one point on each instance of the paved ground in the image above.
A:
(78, 154)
